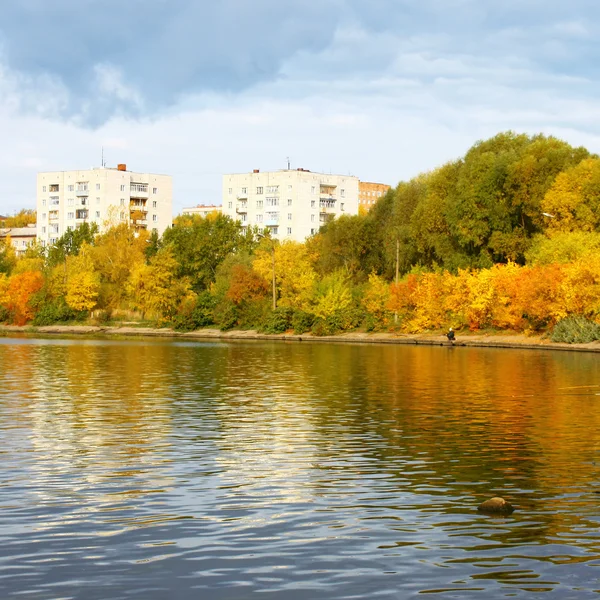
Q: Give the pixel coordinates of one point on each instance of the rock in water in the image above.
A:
(496, 506)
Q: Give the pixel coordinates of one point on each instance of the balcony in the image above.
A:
(138, 190)
(271, 222)
(79, 192)
(241, 208)
(137, 203)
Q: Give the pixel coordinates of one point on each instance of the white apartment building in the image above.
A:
(292, 204)
(203, 210)
(105, 196)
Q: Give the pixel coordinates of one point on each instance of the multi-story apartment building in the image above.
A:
(105, 196)
(292, 204)
(203, 210)
(369, 193)
(20, 237)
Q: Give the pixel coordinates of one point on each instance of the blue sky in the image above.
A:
(381, 89)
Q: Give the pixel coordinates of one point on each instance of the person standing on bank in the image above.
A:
(450, 335)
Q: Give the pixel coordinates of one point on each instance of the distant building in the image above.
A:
(291, 204)
(20, 237)
(105, 196)
(203, 210)
(369, 193)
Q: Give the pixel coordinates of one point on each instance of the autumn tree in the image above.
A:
(156, 288)
(294, 273)
(26, 216)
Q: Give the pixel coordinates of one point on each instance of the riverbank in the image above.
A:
(496, 340)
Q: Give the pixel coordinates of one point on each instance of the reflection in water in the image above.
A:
(137, 469)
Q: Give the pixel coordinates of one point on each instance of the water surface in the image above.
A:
(176, 470)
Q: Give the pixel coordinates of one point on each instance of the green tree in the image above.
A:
(200, 245)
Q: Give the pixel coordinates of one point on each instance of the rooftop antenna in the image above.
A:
(102, 163)
(288, 162)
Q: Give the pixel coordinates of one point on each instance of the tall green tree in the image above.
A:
(201, 244)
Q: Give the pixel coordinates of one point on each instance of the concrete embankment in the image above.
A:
(497, 340)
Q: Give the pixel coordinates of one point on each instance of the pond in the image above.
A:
(175, 469)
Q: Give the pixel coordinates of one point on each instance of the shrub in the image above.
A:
(4, 315)
(576, 330)
(200, 316)
(57, 312)
(279, 321)
(302, 321)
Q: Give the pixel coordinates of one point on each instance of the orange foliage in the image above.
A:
(17, 297)
(246, 284)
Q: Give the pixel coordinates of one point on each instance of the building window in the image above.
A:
(122, 216)
(312, 218)
(272, 201)
(54, 187)
(43, 188)
(230, 191)
(54, 201)
(71, 202)
(97, 214)
(81, 214)
(259, 190)
(44, 216)
(155, 191)
(229, 204)
(139, 187)
(342, 207)
(289, 230)
(274, 230)
(83, 201)
(313, 189)
(289, 188)
(122, 188)
(244, 191)
(71, 188)
(97, 186)
(153, 203)
(97, 200)
(272, 189)
(312, 232)
(70, 215)
(43, 230)
(289, 201)
(289, 216)
(259, 218)
(44, 202)
(259, 204)
(342, 193)
(154, 218)
(243, 216)
(312, 204)
(122, 201)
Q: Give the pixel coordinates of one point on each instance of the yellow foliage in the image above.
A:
(571, 200)
(294, 274)
(154, 287)
(332, 295)
(82, 290)
(377, 297)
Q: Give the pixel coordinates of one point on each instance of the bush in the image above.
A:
(200, 316)
(576, 330)
(279, 321)
(57, 312)
(226, 316)
(104, 316)
(302, 321)
(4, 314)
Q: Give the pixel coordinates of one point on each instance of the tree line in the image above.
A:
(505, 237)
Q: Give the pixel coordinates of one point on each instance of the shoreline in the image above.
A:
(500, 340)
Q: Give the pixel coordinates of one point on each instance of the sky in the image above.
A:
(380, 89)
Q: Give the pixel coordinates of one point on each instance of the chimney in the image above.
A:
(121, 167)
(256, 171)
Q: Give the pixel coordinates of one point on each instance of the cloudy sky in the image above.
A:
(381, 89)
